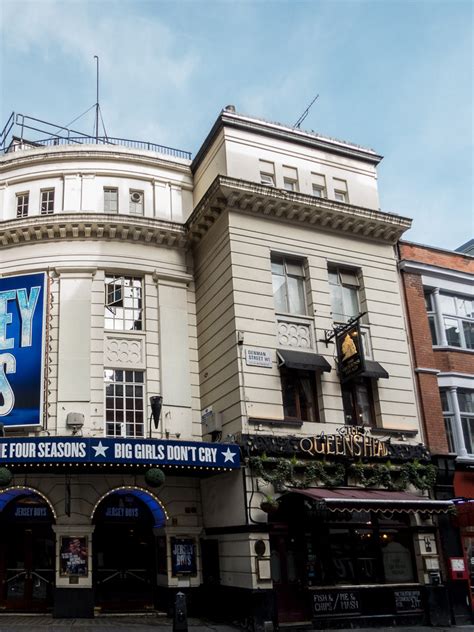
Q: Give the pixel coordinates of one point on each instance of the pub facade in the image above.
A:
(207, 360)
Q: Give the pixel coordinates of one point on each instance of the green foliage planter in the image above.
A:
(302, 474)
(294, 473)
(6, 477)
(154, 477)
(395, 477)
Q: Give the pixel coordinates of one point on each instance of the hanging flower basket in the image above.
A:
(154, 477)
(269, 505)
(5, 477)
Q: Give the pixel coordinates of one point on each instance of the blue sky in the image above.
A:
(396, 76)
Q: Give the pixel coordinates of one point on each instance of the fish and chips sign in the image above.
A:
(22, 329)
(350, 352)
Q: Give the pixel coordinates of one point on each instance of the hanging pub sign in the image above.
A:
(22, 323)
(183, 556)
(73, 556)
(350, 352)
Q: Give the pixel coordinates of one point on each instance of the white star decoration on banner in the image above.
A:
(100, 449)
(228, 455)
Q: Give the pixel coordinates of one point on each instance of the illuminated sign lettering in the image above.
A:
(22, 301)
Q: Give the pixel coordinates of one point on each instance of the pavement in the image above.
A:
(146, 623)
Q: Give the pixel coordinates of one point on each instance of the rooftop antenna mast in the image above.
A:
(305, 114)
(97, 101)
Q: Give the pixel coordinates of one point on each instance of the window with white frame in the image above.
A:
(465, 401)
(456, 319)
(267, 173)
(430, 310)
(318, 183)
(290, 179)
(136, 202)
(110, 200)
(47, 201)
(124, 403)
(288, 285)
(466, 406)
(344, 291)
(123, 303)
(340, 190)
(22, 203)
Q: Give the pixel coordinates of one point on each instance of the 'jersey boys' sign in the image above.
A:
(22, 306)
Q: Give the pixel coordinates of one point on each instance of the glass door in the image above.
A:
(28, 568)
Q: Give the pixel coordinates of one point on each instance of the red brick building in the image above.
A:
(439, 295)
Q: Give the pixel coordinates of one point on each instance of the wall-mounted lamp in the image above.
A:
(156, 402)
(75, 421)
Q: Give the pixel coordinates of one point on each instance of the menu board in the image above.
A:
(408, 600)
(336, 603)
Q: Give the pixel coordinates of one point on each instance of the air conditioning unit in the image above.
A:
(212, 421)
(136, 196)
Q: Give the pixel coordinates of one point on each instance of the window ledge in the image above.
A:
(294, 423)
(452, 348)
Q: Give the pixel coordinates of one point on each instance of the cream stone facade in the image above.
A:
(207, 250)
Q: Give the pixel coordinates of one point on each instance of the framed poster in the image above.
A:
(73, 556)
(183, 556)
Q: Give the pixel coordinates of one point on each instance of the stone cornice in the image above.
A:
(91, 226)
(416, 267)
(296, 136)
(306, 210)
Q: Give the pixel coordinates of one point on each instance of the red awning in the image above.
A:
(373, 500)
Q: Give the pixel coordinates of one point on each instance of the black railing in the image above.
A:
(13, 137)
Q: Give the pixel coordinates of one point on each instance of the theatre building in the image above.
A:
(439, 291)
(206, 382)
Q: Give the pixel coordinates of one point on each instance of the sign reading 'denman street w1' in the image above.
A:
(104, 450)
(22, 307)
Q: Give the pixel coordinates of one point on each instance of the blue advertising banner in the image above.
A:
(22, 323)
(105, 450)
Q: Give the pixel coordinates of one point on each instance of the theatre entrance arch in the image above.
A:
(27, 550)
(124, 549)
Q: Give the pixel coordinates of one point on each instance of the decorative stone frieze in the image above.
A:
(293, 333)
(124, 351)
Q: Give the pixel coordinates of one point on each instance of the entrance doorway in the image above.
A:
(286, 557)
(124, 552)
(27, 554)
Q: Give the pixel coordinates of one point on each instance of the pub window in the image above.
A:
(357, 400)
(361, 547)
(124, 403)
(47, 201)
(22, 203)
(123, 303)
(288, 285)
(344, 292)
(299, 395)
